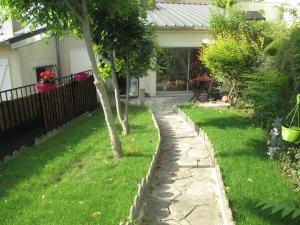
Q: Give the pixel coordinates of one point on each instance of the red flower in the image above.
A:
(47, 77)
(47, 73)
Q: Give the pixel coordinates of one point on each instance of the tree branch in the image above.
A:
(74, 11)
(85, 10)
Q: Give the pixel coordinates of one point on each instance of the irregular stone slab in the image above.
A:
(203, 190)
(187, 162)
(181, 183)
(182, 173)
(203, 173)
(169, 222)
(197, 153)
(163, 174)
(184, 189)
(156, 207)
(181, 208)
(165, 192)
(205, 215)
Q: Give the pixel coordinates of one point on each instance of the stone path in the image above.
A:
(185, 188)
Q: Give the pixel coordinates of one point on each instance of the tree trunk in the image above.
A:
(233, 94)
(117, 95)
(115, 142)
(127, 103)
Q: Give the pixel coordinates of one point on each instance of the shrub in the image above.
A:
(285, 55)
(228, 59)
(273, 48)
(224, 3)
(266, 90)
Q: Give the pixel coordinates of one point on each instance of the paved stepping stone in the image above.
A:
(184, 190)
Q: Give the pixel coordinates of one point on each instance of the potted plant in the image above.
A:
(47, 82)
(291, 133)
(81, 76)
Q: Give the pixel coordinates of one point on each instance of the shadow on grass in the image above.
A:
(250, 148)
(136, 155)
(249, 205)
(35, 158)
(226, 122)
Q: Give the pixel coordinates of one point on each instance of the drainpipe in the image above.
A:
(188, 70)
(58, 57)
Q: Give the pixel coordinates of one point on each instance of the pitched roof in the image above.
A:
(176, 15)
(254, 15)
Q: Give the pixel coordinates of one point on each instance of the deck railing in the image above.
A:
(26, 114)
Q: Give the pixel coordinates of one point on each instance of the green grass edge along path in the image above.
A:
(248, 173)
(73, 179)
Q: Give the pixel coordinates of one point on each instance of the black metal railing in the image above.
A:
(26, 114)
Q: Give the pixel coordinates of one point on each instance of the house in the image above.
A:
(23, 53)
(273, 10)
(180, 28)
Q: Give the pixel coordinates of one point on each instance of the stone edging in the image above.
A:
(225, 203)
(46, 136)
(136, 208)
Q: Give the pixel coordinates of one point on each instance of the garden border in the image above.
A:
(46, 136)
(137, 206)
(225, 203)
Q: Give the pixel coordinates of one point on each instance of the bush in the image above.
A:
(228, 59)
(274, 47)
(266, 90)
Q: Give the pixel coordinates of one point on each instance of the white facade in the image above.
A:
(23, 58)
(13, 69)
(271, 11)
(274, 10)
(185, 38)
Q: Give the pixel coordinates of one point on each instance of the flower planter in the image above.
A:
(45, 87)
(291, 134)
(202, 79)
(81, 77)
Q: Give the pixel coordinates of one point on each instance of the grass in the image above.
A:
(72, 177)
(249, 175)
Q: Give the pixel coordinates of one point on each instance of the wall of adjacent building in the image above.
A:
(36, 54)
(271, 11)
(74, 57)
(187, 1)
(13, 63)
(24, 59)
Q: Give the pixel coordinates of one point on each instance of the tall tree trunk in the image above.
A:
(117, 94)
(81, 13)
(127, 103)
(115, 142)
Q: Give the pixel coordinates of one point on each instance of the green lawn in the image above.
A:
(249, 175)
(72, 178)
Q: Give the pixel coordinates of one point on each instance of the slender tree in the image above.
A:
(121, 38)
(74, 17)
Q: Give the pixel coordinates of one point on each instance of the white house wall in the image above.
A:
(173, 39)
(271, 11)
(33, 55)
(181, 38)
(70, 45)
(13, 63)
(25, 58)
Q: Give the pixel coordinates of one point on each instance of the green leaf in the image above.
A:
(261, 203)
(267, 206)
(278, 208)
(296, 213)
(286, 212)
